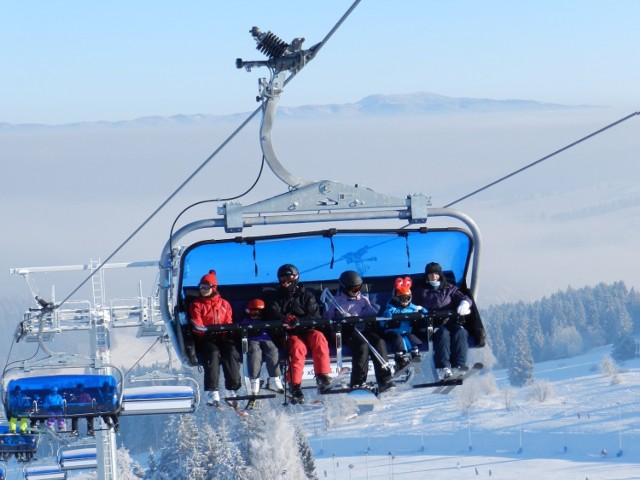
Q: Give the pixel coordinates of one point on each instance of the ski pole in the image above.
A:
(245, 362)
(286, 365)
(327, 296)
(383, 363)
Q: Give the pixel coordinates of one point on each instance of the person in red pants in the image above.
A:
(289, 304)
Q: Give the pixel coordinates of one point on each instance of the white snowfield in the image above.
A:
(586, 428)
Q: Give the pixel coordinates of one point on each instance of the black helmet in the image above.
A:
(433, 267)
(349, 279)
(287, 269)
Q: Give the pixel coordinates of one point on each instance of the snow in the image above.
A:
(415, 434)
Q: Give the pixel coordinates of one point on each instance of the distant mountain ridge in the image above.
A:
(421, 103)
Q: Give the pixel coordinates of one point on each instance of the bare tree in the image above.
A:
(507, 396)
(609, 367)
(541, 390)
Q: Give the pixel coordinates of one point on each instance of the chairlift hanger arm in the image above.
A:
(283, 58)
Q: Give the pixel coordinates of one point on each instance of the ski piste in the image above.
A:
(444, 387)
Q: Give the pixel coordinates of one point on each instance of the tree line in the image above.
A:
(563, 325)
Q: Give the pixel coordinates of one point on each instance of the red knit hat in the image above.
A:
(210, 278)
(403, 286)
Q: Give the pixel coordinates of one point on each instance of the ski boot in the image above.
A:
(296, 394)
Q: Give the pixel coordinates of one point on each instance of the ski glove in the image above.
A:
(291, 321)
(464, 308)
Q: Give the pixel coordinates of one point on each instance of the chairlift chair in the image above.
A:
(103, 389)
(44, 472)
(247, 269)
(169, 393)
(22, 446)
(246, 266)
(76, 458)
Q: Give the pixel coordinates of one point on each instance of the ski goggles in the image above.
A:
(287, 278)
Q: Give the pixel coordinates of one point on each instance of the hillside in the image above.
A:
(584, 414)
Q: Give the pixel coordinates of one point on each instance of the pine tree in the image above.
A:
(182, 458)
(521, 363)
(223, 459)
(128, 469)
(153, 465)
(272, 450)
(306, 454)
(624, 348)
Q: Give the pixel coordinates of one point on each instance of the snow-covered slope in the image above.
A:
(414, 434)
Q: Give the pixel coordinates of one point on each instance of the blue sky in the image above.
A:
(72, 61)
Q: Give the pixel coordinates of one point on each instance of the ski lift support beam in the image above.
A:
(47, 319)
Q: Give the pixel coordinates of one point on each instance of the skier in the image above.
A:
(352, 302)
(216, 347)
(261, 348)
(450, 340)
(398, 332)
(53, 403)
(108, 401)
(20, 405)
(82, 398)
(289, 304)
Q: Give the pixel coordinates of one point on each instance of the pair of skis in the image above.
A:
(313, 404)
(445, 386)
(442, 387)
(365, 396)
(233, 402)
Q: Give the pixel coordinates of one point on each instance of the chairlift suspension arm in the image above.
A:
(283, 58)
